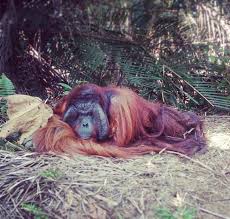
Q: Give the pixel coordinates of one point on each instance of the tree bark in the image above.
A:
(7, 27)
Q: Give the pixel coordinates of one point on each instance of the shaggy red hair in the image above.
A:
(130, 118)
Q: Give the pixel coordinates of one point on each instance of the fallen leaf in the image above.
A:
(26, 115)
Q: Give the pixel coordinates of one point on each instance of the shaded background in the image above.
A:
(176, 51)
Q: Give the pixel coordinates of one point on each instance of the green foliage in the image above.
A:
(119, 216)
(164, 213)
(6, 89)
(171, 81)
(171, 78)
(51, 174)
(6, 86)
(34, 210)
(91, 55)
(180, 213)
(147, 45)
(67, 88)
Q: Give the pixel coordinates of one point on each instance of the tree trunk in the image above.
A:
(7, 27)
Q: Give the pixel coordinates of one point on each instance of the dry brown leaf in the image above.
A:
(26, 115)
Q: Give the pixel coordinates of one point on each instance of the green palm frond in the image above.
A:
(6, 86)
(211, 94)
(155, 79)
(205, 89)
(91, 55)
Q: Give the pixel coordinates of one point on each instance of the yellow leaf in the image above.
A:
(26, 115)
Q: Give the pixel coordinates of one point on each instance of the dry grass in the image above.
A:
(92, 187)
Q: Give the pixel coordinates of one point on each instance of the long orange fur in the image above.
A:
(130, 116)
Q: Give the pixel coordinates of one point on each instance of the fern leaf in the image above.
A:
(6, 86)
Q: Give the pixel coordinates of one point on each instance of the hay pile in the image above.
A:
(150, 186)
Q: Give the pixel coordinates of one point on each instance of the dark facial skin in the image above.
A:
(86, 116)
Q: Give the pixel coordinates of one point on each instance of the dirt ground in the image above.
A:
(152, 186)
